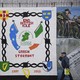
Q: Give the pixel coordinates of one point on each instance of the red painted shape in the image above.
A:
(7, 15)
(4, 11)
(0, 15)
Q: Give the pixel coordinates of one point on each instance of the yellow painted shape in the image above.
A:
(49, 13)
(27, 74)
(4, 66)
(0, 13)
(46, 17)
(7, 12)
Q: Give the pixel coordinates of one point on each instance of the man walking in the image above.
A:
(65, 64)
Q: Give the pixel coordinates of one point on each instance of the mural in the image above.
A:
(28, 39)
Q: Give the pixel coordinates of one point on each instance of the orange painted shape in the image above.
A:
(33, 46)
(4, 19)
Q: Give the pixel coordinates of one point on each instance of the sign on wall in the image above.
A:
(74, 58)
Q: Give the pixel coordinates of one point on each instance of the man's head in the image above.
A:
(67, 12)
(63, 54)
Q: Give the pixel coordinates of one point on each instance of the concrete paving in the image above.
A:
(59, 75)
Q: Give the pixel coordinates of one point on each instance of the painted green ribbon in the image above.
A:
(39, 30)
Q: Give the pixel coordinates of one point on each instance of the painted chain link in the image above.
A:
(27, 64)
(47, 41)
(25, 14)
(4, 41)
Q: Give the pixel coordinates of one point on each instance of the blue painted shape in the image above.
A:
(13, 29)
(13, 32)
(46, 14)
(49, 65)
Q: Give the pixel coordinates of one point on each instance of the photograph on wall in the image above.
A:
(68, 43)
(68, 22)
(28, 43)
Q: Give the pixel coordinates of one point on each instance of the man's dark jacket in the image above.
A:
(64, 61)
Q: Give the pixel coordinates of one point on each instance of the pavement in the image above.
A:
(59, 75)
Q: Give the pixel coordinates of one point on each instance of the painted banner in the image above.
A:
(28, 42)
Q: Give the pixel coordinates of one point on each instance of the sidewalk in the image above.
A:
(59, 75)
